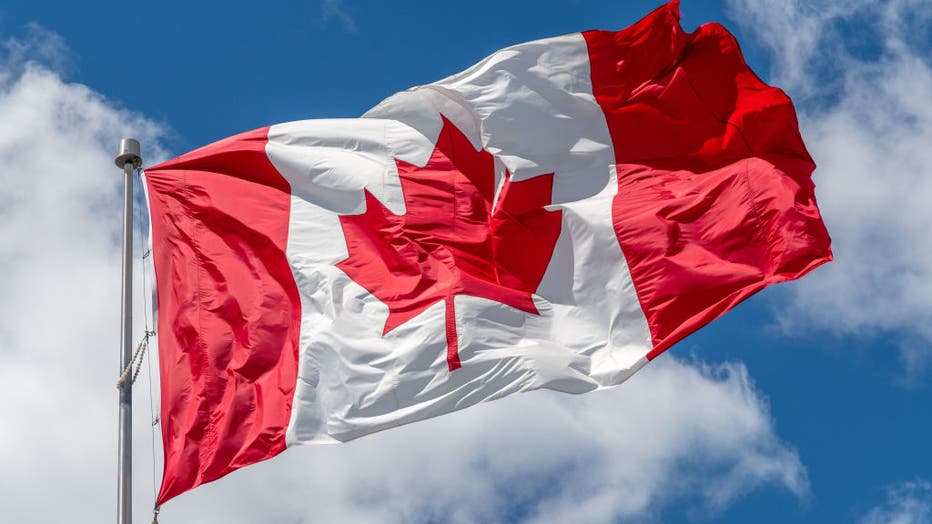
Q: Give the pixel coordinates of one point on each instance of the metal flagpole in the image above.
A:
(129, 160)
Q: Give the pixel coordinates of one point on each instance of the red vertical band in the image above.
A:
(229, 311)
(715, 200)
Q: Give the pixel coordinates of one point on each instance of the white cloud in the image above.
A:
(37, 45)
(59, 275)
(697, 435)
(861, 74)
(694, 434)
(907, 503)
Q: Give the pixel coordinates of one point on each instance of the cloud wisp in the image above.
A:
(861, 74)
(906, 503)
(336, 10)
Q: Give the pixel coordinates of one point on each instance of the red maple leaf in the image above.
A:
(454, 239)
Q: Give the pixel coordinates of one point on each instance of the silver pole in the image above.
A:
(128, 159)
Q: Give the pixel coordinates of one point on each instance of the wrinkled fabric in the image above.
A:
(715, 199)
(553, 217)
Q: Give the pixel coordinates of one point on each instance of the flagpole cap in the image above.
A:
(129, 153)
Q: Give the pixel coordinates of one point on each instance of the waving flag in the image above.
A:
(553, 217)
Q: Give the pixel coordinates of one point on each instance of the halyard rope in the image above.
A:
(146, 253)
(140, 350)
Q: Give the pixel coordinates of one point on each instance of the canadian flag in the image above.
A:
(553, 217)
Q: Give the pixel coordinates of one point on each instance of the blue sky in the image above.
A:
(808, 403)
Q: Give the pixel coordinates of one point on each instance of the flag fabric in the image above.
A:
(554, 217)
